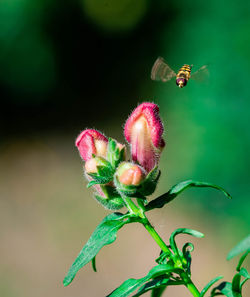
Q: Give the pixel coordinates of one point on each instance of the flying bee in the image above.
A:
(162, 72)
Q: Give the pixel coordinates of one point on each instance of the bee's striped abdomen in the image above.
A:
(183, 75)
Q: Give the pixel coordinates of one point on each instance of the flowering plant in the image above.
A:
(120, 182)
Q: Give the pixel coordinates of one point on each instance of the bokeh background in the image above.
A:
(65, 66)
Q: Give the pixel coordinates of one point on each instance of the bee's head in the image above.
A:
(181, 82)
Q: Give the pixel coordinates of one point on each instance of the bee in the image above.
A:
(162, 72)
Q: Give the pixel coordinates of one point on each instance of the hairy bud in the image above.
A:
(143, 130)
(91, 142)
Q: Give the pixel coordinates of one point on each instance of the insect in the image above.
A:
(162, 72)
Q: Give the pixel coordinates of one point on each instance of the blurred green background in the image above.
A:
(65, 66)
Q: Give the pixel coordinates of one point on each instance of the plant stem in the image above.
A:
(188, 282)
(190, 285)
(131, 206)
(157, 237)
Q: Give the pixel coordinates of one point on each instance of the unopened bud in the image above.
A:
(130, 174)
(143, 130)
(91, 142)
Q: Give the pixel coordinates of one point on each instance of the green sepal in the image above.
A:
(177, 189)
(129, 191)
(105, 171)
(98, 180)
(148, 186)
(114, 154)
(209, 285)
(111, 204)
(242, 246)
(130, 285)
(104, 234)
(104, 175)
(94, 182)
(112, 199)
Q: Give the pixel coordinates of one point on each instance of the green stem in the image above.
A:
(190, 285)
(131, 206)
(188, 282)
(156, 237)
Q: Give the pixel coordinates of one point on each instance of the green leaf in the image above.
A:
(241, 261)
(209, 285)
(243, 246)
(182, 231)
(157, 292)
(94, 264)
(243, 272)
(157, 283)
(132, 284)
(243, 282)
(225, 288)
(104, 234)
(177, 189)
(186, 251)
(236, 288)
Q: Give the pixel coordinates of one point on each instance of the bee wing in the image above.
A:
(161, 71)
(201, 74)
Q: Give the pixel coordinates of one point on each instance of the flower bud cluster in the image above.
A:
(105, 166)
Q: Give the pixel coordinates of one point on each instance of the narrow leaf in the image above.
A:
(243, 246)
(242, 260)
(225, 288)
(132, 284)
(177, 189)
(243, 282)
(182, 231)
(94, 264)
(186, 251)
(155, 284)
(243, 272)
(236, 285)
(157, 292)
(209, 285)
(103, 235)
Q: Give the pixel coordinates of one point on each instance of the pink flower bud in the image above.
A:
(91, 142)
(130, 174)
(143, 130)
(91, 164)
